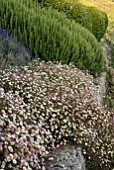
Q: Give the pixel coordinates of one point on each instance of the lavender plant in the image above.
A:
(12, 52)
(41, 106)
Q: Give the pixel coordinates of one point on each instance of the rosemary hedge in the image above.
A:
(90, 39)
(89, 17)
(51, 37)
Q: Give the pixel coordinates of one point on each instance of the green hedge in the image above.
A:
(88, 36)
(51, 35)
(100, 22)
(89, 17)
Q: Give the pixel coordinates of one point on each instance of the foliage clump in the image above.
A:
(41, 106)
(12, 52)
(90, 17)
(52, 37)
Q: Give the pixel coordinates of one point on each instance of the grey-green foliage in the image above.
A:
(12, 51)
(86, 39)
(51, 35)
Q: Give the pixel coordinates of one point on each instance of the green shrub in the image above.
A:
(89, 17)
(50, 37)
(100, 22)
(90, 40)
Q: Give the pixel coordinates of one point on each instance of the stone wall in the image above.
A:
(100, 82)
(66, 157)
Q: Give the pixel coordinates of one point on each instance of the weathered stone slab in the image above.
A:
(66, 157)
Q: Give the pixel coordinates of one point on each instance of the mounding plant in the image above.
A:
(12, 52)
(68, 42)
(41, 106)
(90, 17)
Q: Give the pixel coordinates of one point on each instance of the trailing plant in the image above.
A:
(90, 17)
(108, 101)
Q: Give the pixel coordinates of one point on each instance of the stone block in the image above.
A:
(68, 157)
